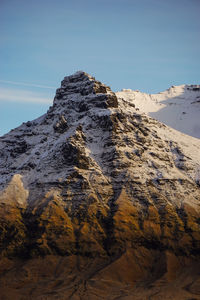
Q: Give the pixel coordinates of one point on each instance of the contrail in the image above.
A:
(22, 96)
(28, 84)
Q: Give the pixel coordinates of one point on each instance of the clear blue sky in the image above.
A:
(139, 44)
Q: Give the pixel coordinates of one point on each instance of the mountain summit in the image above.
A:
(98, 201)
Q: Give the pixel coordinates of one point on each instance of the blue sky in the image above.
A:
(139, 44)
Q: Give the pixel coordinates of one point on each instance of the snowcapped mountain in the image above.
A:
(98, 200)
(177, 107)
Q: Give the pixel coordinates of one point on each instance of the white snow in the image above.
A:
(177, 107)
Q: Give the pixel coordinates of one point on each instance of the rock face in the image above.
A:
(98, 201)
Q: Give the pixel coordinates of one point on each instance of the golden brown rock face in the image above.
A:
(102, 203)
(136, 274)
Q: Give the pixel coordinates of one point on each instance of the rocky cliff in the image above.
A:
(98, 201)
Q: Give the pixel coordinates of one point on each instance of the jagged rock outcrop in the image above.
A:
(102, 196)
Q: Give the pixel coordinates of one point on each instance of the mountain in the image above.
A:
(98, 201)
(177, 107)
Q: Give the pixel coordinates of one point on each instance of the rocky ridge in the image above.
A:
(102, 188)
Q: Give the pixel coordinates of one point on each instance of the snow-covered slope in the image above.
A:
(80, 109)
(177, 107)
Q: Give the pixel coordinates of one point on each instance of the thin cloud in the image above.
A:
(22, 96)
(28, 84)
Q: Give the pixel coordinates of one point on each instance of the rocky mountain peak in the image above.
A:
(98, 183)
(79, 95)
(82, 84)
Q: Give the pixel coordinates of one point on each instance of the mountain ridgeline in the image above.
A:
(98, 201)
(177, 107)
